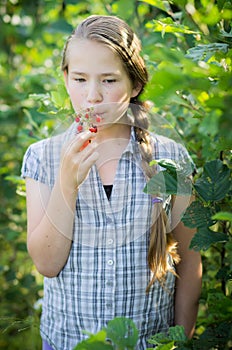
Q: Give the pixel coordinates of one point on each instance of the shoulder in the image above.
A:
(41, 145)
(169, 149)
(40, 150)
(165, 147)
(50, 145)
(42, 158)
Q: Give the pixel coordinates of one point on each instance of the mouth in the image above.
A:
(96, 114)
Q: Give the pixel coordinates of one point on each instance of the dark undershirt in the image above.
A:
(108, 190)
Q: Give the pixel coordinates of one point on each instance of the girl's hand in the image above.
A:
(77, 158)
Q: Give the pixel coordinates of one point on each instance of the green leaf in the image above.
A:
(205, 237)
(21, 246)
(215, 181)
(167, 341)
(197, 215)
(123, 332)
(160, 4)
(223, 216)
(159, 338)
(224, 274)
(168, 346)
(218, 301)
(93, 345)
(168, 164)
(11, 235)
(181, 167)
(205, 52)
(167, 25)
(123, 9)
(59, 96)
(27, 280)
(165, 182)
(94, 342)
(60, 26)
(15, 179)
(216, 335)
(177, 333)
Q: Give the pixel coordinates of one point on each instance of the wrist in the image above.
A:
(68, 191)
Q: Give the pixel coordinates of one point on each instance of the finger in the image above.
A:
(83, 171)
(82, 141)
(85, 152)
(77, 143)
(91, 159)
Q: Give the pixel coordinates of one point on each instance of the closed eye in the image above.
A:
(109, 81)
(79, 80)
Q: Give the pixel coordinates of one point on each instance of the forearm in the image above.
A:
(49, 242)
(189, 270)
(188, 290)
(51, 213)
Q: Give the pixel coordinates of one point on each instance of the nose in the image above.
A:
(94, 93)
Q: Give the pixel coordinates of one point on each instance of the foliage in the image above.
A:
(213, 228)
(120, 333)
(187, 48)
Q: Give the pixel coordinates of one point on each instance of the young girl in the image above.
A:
(103, 244)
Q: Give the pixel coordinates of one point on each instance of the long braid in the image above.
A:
(162, 246)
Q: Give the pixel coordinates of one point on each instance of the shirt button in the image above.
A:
(110, 241)
(108, 220)
(109, 283)
(110, 262)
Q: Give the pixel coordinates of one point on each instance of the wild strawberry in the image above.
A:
(93, 129)
(85, 118)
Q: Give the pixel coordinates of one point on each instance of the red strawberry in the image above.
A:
(98, 119)
(80, 128)
(77, 119)
(93, 129)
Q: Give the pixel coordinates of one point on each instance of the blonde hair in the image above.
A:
(118, 36)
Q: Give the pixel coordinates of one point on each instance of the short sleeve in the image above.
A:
(165, 148)
(33, 165)
(42, 159)
(186, 161)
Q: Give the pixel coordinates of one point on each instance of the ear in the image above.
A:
(136, 90)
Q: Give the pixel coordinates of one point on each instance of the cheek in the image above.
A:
(118, 95)
(76, 97)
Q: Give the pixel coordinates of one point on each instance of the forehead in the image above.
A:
(91, 52)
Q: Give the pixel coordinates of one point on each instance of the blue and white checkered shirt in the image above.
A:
(106, 274)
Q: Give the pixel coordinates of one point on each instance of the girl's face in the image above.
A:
(97, 79)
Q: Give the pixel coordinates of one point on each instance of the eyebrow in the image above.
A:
(102, 74)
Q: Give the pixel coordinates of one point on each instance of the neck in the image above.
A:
(114, 131)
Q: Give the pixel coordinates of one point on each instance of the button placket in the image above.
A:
(110, 265)
(110, 241)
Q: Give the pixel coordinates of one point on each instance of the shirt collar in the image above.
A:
(132, 147)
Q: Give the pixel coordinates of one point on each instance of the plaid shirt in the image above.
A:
(106, 273)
